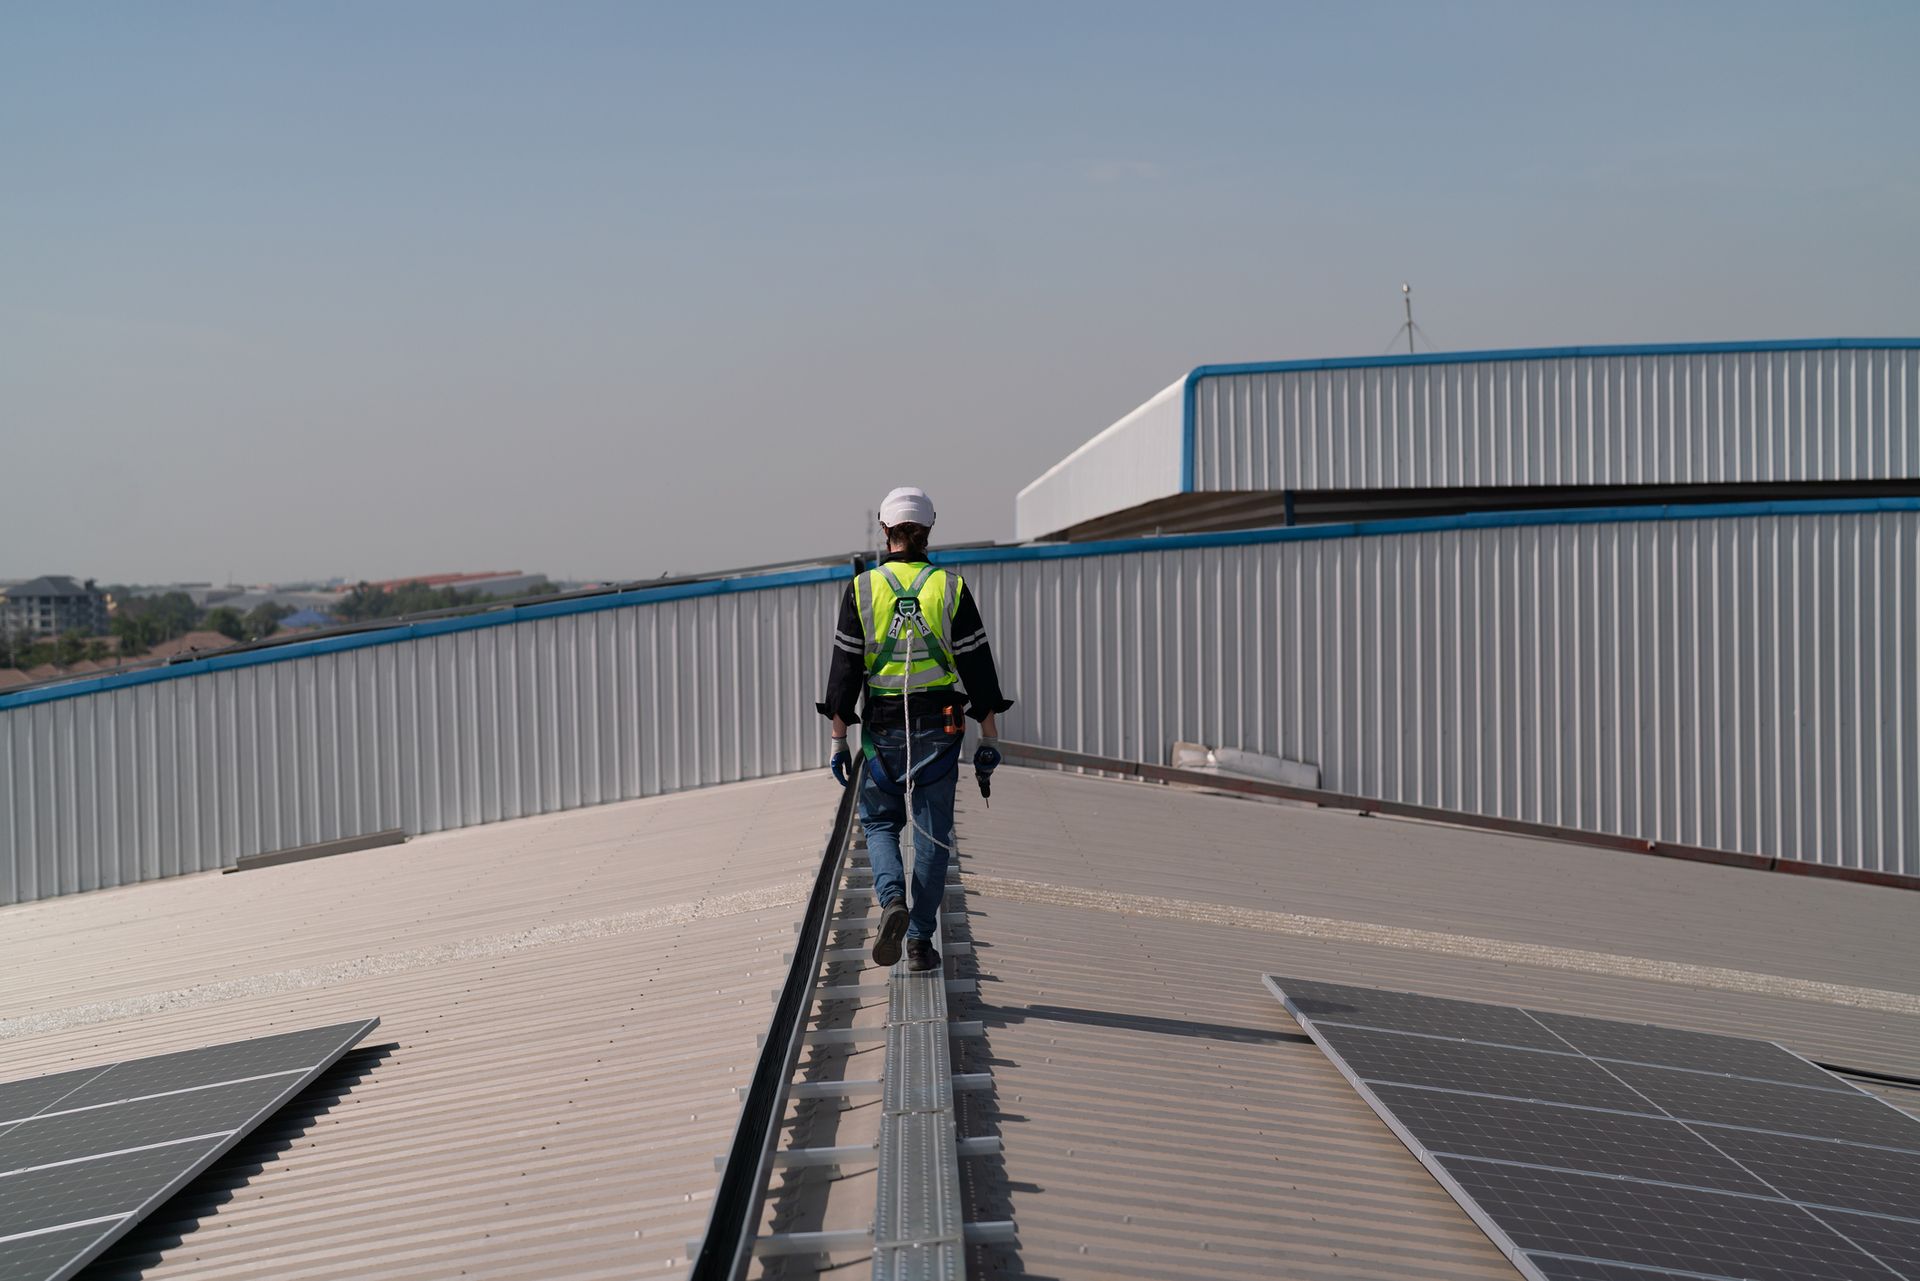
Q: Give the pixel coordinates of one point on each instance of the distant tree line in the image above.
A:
(367, 603)
(257, 623)
(141, 622)
(65, 651)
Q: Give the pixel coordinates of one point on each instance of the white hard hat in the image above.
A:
(907, 506)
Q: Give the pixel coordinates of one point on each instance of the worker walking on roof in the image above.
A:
(910, 637)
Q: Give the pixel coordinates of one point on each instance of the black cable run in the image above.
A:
(1886, 1078)
(726, 1251)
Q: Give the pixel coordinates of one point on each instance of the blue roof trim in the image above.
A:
(1187, 417)
(431, 627)
(965, 556)
(1427, 525)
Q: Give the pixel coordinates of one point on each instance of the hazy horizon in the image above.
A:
(603, 291)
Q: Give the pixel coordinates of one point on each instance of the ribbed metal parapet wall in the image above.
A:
(471, 722)
(1658, 418)
(1743, 678)
(1747, 683)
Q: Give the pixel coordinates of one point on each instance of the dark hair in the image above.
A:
(913, 536)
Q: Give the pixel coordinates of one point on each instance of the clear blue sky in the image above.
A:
(609, 290)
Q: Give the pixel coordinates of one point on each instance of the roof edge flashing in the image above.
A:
(967, 556)
(1586, 351)
(1105, 433)
(1140, 456)
(1430, 524)
(404, 631)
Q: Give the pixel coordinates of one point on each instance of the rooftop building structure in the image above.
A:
(1244, 445)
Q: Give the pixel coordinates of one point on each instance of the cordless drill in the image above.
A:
(986, 758)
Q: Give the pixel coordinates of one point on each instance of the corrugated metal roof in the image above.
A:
(565, 1004)
(1163, 1116)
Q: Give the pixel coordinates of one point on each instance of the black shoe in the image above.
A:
(893, 927)
(921, 956)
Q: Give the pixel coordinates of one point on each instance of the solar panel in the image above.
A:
(1595, 1150)
(86, 1155)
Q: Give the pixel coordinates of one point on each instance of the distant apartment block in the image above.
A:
(52, 605)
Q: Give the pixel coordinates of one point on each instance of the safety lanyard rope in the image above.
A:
(906, 721)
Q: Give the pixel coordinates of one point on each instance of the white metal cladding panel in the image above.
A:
(1581, 420)
(1135, 461)
(1750, 684)
(440, 732)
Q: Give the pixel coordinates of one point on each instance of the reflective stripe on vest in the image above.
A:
(920, 612)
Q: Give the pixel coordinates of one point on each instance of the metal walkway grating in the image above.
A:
(917, 1224)
(918, 1229)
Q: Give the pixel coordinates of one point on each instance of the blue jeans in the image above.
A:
(883, 813)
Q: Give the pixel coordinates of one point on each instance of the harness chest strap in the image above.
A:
(907, 615)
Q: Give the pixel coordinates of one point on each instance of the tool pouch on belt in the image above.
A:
(926, 770)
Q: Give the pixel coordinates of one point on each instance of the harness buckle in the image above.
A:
(906, 612)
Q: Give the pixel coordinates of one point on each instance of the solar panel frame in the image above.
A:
(63, 1169)
(1827, 1228)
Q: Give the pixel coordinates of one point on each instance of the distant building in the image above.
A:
(247, 601)
(52, 605)
(196, 591)
(491, 582)
(504, 585)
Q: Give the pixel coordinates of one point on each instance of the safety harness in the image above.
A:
(909, 625)
(908, 621)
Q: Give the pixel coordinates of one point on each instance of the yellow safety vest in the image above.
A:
(918, 612)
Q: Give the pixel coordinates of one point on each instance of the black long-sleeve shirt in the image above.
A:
(979, 687)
